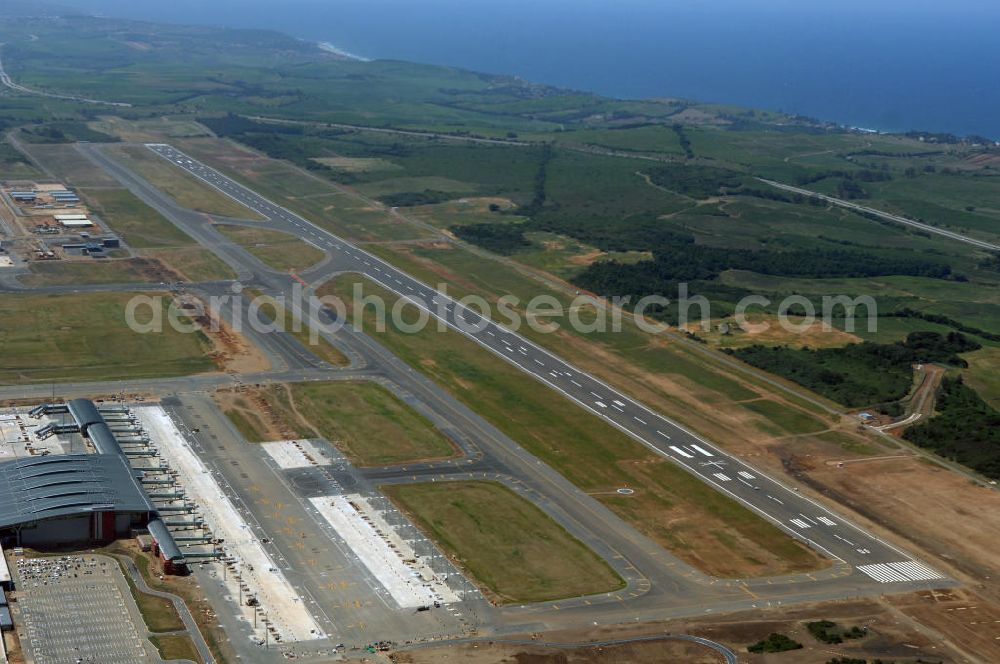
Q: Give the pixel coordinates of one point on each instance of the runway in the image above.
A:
(817, 526)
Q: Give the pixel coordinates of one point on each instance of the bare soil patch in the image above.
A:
(766, 330)
(950, 518)
(231, 351)
(893, 635)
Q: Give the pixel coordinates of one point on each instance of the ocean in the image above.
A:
(884, 64)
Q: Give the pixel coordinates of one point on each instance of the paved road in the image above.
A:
(727, 653)
(798, 515)
(9, 82)
(981, 244)
(179, 605)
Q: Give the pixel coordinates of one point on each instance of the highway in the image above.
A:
(980, 244)
(5, 79)
(808, 521)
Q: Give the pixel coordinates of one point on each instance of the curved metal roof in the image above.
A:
(85, 412)
(35, 488)
(168, 547)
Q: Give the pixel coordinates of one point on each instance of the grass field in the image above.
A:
(187, 190)
(700, 525)
(13, 165)
(85, 337)
(175, 646)
(147, 131)
(139, 225)
(787, 420)
(282, 251)
(364, 420)
(250, 425)
(513, 550)
(983, 376)
(64, 273)
(192, 263)
(151, 235)
(105, 272)
(315, 199)
(70, 166)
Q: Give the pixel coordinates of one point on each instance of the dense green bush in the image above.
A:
(678, 260)
(413, 198)
(502, 239)
(775, 643)
(860, 374)
(829, 632)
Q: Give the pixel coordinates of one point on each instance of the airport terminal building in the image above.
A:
(61, 499)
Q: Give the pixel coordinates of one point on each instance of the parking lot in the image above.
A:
(76, 610)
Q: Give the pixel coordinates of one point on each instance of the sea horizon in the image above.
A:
(917, 70)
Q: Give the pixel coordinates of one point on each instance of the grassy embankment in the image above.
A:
(193, 596)
(158, 612)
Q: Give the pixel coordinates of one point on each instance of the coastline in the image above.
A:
(330, 48)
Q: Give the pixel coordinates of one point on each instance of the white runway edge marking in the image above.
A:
(681, 452)
(702, 450)
(907, 570)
